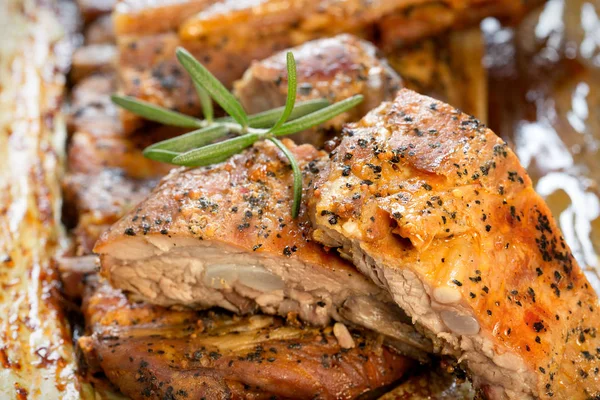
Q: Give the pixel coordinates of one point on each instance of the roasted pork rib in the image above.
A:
(150, 352)
(437, 210)
(224, 236)
(332, 69)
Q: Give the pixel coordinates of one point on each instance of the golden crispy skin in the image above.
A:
(224, 236)
(93, 59)
(153, 16)
(245, 201)
(205, 236)
(150, 352)
(456, 233)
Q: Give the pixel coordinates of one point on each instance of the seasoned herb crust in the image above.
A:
(429, 192)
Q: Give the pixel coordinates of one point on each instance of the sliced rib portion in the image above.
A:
(189, 355)
(334, 69)
(224, 236)
(437, 210)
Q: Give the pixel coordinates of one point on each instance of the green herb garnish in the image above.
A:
(202, 147)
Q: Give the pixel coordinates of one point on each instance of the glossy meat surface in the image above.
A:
(330, 17)
(36, 357)
(150, 352)
(230, 30)
(437, 209)
(334, 69)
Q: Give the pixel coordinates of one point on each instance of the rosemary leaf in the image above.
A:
(297, 193)
(218, 92)
(291, 91)
(266, 119)
(166, 156)
(155, 113)
(317, 117)
(205, 102)
(217, 152)
(190, 140)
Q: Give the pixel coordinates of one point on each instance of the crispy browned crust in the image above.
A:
(435, 192)
(151, 352)
(244, 202)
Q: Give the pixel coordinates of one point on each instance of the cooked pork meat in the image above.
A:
(93, 9)
(150, 352)
(437, 210)
(100, 31)
(434, 384)
(334, 68)
(148, 69)
(228, 35)
(100, 199)
(91, 108)
(91, 154)
(224, 236)
(92, 59)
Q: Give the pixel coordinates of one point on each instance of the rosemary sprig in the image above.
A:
(202, 147)
(156, 113)
(211, 84)
(297, 175)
